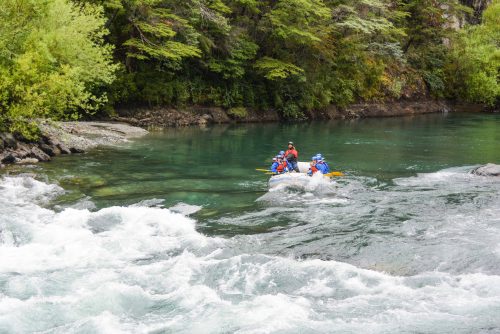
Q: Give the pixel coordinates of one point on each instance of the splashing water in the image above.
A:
(129, 241)
(146, 269)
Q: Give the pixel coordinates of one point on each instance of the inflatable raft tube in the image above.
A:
(289, 179)
(303, 166)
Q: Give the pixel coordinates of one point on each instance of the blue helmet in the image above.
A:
(282, 152)
(314, 158)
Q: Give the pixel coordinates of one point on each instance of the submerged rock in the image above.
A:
(487, 170)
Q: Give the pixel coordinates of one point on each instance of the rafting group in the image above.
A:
(287, 161)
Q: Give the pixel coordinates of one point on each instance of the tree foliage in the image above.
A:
(295, 56)
(473, 70)
(53, 62)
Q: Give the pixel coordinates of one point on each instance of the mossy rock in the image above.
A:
(238, 112)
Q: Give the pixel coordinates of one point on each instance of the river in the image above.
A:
(177, 232)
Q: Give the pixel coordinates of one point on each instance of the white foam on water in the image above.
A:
(153, 202)
(309, 189)
(458, 175)
(252, 184)
(185, 209)
(143, 269)
(24, 190)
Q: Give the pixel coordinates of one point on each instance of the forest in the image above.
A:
(64, 59)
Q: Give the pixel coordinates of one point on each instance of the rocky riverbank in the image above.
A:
(195, 115)
(168, 117)
(64, 138)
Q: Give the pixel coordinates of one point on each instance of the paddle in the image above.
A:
(262, 170)
(266, 171)
(335, 174)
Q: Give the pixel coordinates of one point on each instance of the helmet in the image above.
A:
(282, 152)
(274, 159)
(314, 158)
(290, 143)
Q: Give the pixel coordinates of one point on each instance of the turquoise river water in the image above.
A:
(177, 232)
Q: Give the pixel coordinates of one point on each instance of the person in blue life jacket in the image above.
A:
(321, 165)
(274, 166)
(313, 168)
(282, 165)
(327, 167)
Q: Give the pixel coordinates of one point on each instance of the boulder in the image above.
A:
(47, 149)
(8, 159)
(8, 140)
(487, 170)
(39, 154)
(23, 151)
(27, 161)
(219, 115)
(76, 150)
(63, 148)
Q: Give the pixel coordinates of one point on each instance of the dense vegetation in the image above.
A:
(54, 62)
(65, 58)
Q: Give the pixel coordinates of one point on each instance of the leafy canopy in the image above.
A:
(474, 65)
(53, 62)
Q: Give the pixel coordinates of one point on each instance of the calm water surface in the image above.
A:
(177, 233)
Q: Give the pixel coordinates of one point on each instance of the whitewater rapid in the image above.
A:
(143, 269)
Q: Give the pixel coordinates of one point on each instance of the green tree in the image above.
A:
(53, 62)
(428, 25)
(473, 70)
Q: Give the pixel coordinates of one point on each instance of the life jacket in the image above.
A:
(274, 167)
(281, 167)
(294, 152)
(323, 167)
(313, 169)
(327, 168)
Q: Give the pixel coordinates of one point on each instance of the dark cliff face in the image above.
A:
(478, 6)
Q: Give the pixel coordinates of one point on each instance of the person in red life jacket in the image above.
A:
(313, 169)
(282, 166)
(292, 157)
